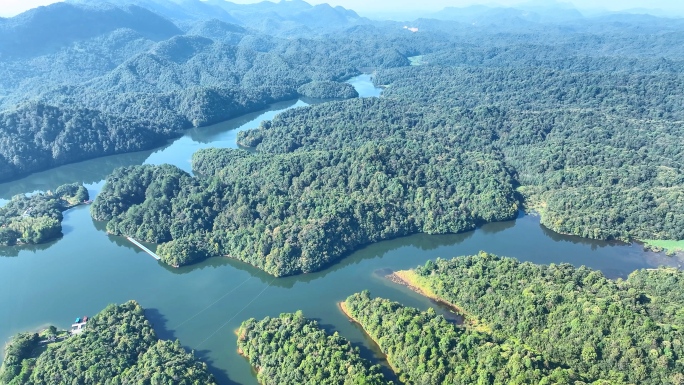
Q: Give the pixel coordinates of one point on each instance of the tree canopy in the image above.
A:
(624, 331)
(38, 218)
(291, 349)
(117, 347)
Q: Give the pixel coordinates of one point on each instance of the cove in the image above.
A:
(203, 304)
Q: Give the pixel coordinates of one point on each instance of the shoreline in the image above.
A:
(237, 334)
(403, 278)
(342, 306)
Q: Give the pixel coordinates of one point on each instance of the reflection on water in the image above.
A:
(13, 251)
(87, 172)
(364, 86)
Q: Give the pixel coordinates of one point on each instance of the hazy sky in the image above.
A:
(12, 7)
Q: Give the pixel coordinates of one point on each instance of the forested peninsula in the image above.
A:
(118, 346)
(425, 348)
(294, 350)
(625, 331)
(298, 212)
(38, 218)
(488, 124)
(524, 324)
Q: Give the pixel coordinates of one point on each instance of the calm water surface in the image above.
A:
(202, 305)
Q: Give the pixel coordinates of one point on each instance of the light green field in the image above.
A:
(669, 246)
(416, 60)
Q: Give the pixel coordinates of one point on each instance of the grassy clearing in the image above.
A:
(416, 60)
(670, 247)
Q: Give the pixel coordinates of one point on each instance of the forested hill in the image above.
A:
(466, 138)
(297, 213)
(593, 142)
(292, 18)
(157, 79)
(118, 346)
(291, 349)
(425, 348)
(41, 30)
(37, 136)
(38, 218)
(624, 331)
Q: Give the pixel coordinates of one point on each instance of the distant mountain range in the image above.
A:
(286, 18)
(166, 65)
(144, 70)
(43, 29)
(538, 11)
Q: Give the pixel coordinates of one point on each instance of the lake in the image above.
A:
(203, 304)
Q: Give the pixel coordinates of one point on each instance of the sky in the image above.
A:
(13, 7)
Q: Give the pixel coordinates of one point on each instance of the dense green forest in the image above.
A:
(425, 348)
(525, 324)
(604, 168)
(38, 136)
(291, 349)
(117, 347)
(38, 218)
(328, 90)
(129, 79)
(597, 153)
(588, 122)
(298, 212)
(624, 331)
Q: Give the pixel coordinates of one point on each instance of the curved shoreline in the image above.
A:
(343, 308)
(407, 278)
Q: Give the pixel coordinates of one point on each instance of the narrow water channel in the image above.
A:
(202, 305)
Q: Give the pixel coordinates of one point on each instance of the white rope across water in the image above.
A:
(212, 304)
(236, 314)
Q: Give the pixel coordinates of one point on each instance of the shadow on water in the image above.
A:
(593, 243)
(208, 134)
(86, 172)
(13, 251)
(160, 325)
(220, 375)
(497, 227)
(422, 241)
(371, 353)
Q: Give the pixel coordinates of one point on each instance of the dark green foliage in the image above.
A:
(297, 213)
(37, 136)
(328, 90)
(293, 350)
(427, 349)
(38, 218)
(166, 363)
(573, 316)
(597, 153)
(19, 350)
(209, 161)
(352, 123)
(663, 293)
(139, 203)
(625, 94)
(118, 347)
